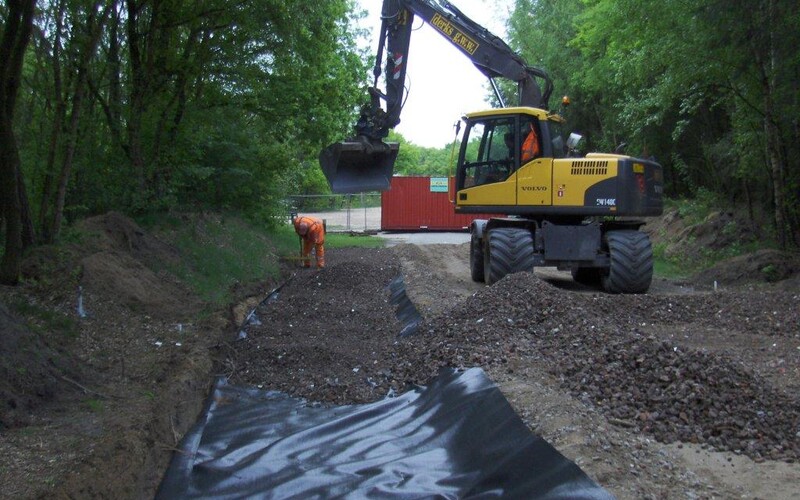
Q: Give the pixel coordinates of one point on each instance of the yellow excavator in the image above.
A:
(555, 208)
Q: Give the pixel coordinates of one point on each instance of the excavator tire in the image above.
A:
(476, 259)
(509, 250)
(631, 268)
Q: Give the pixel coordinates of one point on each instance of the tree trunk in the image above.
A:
(10, 205)
(55, 132)
(18, 24)
(139, 83)
(773, 138)
(94, 27)
(28, 233)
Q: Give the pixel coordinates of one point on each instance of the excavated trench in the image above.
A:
(333, 337)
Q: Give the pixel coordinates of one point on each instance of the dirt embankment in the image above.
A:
(683, 392)
(105, 364)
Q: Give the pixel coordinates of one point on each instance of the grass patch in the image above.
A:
(219, 251)
(341, 240)
(695, 210)
(666, 267)
(95, 405)
(45, 322)
(669, 269)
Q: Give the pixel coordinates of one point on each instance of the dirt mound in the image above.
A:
(113, 257)
(132, 284)
(693, 243)
(763, 266)
(114, 232)
(104, 362)
(33, 368)
(118, 262)
(689, 241)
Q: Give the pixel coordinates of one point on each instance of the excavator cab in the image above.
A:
(359, 165)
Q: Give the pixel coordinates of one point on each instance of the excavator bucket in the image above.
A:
(358, 165)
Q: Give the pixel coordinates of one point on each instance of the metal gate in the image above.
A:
(342, 213)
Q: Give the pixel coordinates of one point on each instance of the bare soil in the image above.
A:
(685, 392)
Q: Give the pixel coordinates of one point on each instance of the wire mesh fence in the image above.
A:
(357, 213)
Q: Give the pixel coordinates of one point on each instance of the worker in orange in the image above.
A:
(312, 234)
(530, 148)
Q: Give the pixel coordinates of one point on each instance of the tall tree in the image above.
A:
(86, 44)
(145, 104)
(707, 86)
(17, 27)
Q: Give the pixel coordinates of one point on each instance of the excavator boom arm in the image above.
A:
(365, 162)
(489, 53)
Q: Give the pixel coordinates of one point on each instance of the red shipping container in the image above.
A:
(422, 203)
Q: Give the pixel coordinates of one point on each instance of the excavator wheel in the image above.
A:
(476, 259)
(509, 250)
(631, 268)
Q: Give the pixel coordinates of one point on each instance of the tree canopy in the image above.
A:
(707, 87)
(143, 105)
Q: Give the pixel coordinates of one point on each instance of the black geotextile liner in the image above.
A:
(456, 438)
(406, 311)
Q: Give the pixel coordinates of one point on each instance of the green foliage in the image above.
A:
(219, 252)
(707, 87)
(696, 209)
(95, 405)
(770, 272)
(222, 104)
(667, 267)
(419, 160)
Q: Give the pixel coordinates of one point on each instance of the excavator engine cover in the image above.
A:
(359, 165)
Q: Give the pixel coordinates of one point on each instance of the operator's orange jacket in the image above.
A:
(530, 148)
(314, 237)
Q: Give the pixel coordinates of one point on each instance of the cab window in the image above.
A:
(489, 151)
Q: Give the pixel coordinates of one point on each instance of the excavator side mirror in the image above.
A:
(572, 143)
(573, 140)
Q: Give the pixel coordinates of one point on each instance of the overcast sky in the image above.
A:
(442, 83)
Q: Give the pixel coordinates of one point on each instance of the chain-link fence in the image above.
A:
(360, 213)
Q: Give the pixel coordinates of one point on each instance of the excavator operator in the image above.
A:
(530, 147)
(312, 234)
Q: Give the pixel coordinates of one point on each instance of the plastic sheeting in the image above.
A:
(406, 311)
(456, 438)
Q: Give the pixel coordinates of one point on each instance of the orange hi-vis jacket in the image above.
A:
(314, 237)
(530, 148)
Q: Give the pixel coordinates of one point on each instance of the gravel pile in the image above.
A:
(323, 335)
(332, 336)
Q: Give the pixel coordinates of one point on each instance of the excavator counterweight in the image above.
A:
(358, 165)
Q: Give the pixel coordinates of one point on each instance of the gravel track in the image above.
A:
(624, 375)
